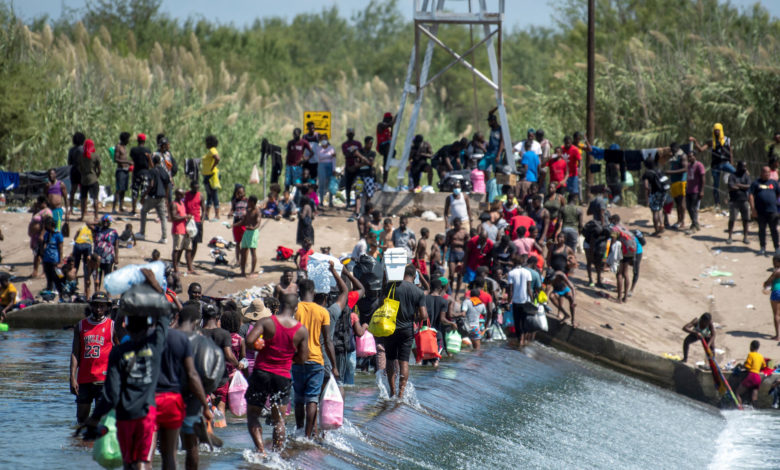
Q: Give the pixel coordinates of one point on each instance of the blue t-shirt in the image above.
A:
(531, 159)
(638, 245)
(51, 253)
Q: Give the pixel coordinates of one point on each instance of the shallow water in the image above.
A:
(499, 408)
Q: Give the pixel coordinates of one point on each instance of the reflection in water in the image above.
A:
(497, 408)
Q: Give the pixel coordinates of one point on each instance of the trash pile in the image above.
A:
(246, 296)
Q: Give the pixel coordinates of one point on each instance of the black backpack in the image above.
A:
(369, 272)
(343, 334)
(592, 230)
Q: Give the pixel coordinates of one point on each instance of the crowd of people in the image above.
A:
(485, 273)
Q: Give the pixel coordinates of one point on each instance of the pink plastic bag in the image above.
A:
(236, 391)
(331, 406)
(365, 345)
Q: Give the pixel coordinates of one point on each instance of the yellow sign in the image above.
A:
(321, 120)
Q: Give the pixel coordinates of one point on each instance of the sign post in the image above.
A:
(321, 120)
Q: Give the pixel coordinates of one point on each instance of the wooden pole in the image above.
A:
(591, 98)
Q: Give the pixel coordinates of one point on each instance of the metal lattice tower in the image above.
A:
(428, 15)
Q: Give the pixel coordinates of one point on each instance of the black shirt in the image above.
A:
(73, 156)
(720, 153)
(435, 305)
(410, 298)
(133, 371)
(220, 336)
(160, 181)
(652, 178)
(765, 194)
(138, 155)
(738, 195)
(177, 349)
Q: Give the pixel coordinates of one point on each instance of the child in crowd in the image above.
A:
(127, 237)
(698, 328)
(421, 253)
(70, 286)
(155, 255)
(302, 256)
(92, 266)
(287, 207)
(754, 364)
(438, 250)
(313, 195)
(271, 209)
(386, 237)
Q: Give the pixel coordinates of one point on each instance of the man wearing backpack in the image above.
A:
(654, 189)
(344, 326)
(628, 245)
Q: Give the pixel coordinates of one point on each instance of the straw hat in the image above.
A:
(256, 310)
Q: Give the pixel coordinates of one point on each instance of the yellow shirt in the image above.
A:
(312, 316)
(8, 296)
(754, 362)
(207, 162)
(84, 235)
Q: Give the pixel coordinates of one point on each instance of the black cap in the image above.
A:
(100, 298)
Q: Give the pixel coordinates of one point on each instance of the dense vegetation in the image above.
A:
(665, 69)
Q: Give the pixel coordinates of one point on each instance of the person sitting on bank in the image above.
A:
(754, 364)
(698, 328)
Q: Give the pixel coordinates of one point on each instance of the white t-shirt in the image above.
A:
(519, 278)
(324, 154)
(536, 147)
(472, 312)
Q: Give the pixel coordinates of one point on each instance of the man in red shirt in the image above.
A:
(179, 220)
(520, 220)
(574, 158)
(384, 136)
(194, 206)
(477, 254)
(93, 338)
(296, 149)
(558, 169)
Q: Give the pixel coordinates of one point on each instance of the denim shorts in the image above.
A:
(307, 382)
(573, 184)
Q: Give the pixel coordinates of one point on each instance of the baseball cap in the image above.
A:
(388, 115)
(350, 130)
(142, 137)
(107, 218)
(100, 298)
(444, 281)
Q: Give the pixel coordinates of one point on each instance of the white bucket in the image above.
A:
(395, 263)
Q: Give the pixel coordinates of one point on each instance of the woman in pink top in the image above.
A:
(278, 340)
(35, 230)
(477, 180)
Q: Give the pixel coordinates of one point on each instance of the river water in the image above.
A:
(496, 408)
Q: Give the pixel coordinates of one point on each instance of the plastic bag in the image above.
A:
(331, 406)
(318, 270)
(365, 345)
(143, 300)
(254, 177)
(453, 342)
(236, 391)
(106, 450)
(209, 361)
(383, 320)
(119, 281)
(192, 228)
(427, 346)
(496, 332)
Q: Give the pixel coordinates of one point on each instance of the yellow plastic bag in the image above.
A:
(383, 320)
(541, 298)
(214, 180)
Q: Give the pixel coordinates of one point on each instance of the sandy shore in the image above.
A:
(672, 289)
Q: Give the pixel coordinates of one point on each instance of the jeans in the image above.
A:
(158, 204)
(769, 220)
(346, 362)
(717, 171)
(324, 174)
(307, 382)
(692, 202)
(52, 280)
(212, 195)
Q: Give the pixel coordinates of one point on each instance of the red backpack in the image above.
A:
(627, 241)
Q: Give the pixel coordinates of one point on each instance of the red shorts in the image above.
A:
(238, 233)
(136, 437)
(421, 265)
(170, 410)
(752, 381)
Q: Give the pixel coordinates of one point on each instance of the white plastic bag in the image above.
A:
(192, 228)
(236, 392)
(122, 279)
(254, 178)
(331, 406)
